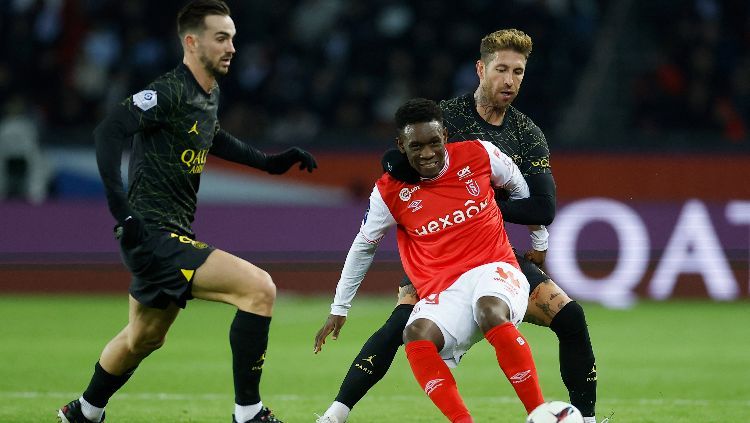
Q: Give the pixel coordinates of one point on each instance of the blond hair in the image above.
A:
(505, 39)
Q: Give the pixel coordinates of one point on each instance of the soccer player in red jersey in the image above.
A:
(488, 114)
(455, 250)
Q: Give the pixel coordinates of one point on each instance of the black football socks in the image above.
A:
(103, 385)
(248, 337)
(376, 356)
(577, 364)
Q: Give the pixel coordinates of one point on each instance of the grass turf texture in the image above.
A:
(671, 361)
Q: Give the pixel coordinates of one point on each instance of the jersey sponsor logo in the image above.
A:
(194, 129)
(432, 385)
(473, 187)
(456, 217)
(543, 162)
(145, 99)
(463, 173)
(405, 193)
(194, 160)
(414, 205)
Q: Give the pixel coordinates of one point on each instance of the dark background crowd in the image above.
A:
(670, 75)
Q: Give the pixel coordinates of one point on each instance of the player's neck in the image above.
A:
(204, 78)
(488, 111)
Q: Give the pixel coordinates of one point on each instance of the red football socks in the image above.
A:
(514, 356)
(437, 381)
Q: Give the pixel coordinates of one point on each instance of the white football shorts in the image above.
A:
(454, 310)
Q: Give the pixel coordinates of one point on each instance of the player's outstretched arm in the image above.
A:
(228, 147)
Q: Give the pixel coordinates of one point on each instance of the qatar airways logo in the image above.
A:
(472, 208)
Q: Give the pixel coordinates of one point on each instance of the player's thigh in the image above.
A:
(545, 301)
(495, 283)
(149, 324)
(230, 279)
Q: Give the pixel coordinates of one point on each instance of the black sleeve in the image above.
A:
(227, 147)
(110, 138)
(538, 208)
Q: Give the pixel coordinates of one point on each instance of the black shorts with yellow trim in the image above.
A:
(163, 267)
(533, 273)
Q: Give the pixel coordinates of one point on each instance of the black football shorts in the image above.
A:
(533, 273)
(163, 266)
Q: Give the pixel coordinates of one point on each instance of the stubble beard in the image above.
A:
(213, 69)
(485, 100)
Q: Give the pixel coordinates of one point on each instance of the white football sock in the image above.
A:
(338, 410)
(89, 411)
(589, 420)
(243, 413)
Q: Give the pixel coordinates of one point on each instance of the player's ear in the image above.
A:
(480, 68)
(189, 41)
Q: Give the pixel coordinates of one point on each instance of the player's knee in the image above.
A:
(145, 343)
(262, 290)
(407, 295)
(424, 330)
(570, 320)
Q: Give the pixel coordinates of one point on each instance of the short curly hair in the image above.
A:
(505, 39)
(418, 110)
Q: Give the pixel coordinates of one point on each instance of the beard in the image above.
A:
(488, 98)
(213, 69)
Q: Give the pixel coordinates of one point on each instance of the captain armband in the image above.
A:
(539, 239)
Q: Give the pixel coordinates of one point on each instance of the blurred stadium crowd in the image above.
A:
(604, 75)
(331, 72)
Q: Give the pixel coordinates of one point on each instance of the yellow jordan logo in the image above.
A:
(369, 360)
(194, 129)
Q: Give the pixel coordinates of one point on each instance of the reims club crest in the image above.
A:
(473, 187)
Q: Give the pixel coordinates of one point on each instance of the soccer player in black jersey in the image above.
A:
(487, 114)
(173, 127)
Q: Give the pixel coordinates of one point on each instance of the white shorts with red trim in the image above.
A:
(454, 310)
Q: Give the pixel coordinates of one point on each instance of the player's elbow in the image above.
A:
(547, 209)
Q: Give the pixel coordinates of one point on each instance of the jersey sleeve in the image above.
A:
(376, 223)
(534, 150)
(154, 106)
(504, 173)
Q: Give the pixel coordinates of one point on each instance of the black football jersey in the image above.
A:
(177, 123)
(517, 136)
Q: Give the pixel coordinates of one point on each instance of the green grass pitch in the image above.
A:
(658, 362)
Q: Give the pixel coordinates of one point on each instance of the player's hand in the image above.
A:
(333, 324)
(131, 231)
(536, 257)
(280, 163)
(397, 165)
